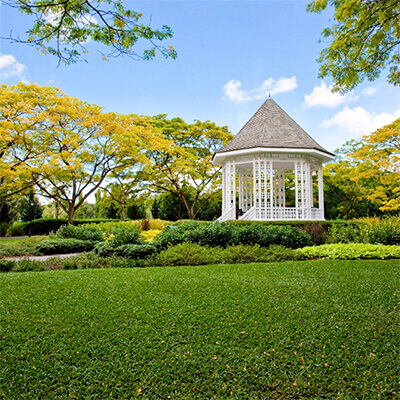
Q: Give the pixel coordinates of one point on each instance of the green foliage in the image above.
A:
(248, 330)
(363, 38)
(155, 209)
(339, 233)
(30, 208)
(112, 211)
(374, 230)
(194, 254)
(4, 228)
(6, 266)
(64, 29)
(82, 232)
(230, 233)
(64, 246)
(28, 266)
(135, 251)
(20, 247)
(351, 251)
(135, 210)
(46, 225)
(123, 234)
(317, 232)
(104, 249)
(189, 254)
(383, 231)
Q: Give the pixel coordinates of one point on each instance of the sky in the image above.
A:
(231, 56)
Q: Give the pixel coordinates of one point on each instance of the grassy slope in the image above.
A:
(318, 329)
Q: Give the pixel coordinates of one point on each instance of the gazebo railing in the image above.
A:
(287, 213)
(249, 215)
(274, 214)
(227, 215)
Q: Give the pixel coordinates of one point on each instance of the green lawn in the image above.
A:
(313, 330)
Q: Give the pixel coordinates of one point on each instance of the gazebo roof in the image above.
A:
(271, 127)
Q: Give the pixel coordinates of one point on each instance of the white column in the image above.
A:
(311, 202)
(320, 192)
(256, 183)
(306, 191)
(242, 189)
(223, 189)
(272, 189)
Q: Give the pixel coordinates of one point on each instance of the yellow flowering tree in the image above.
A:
(69, 147)
(184, 167)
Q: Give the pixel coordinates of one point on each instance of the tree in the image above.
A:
(343, 198)
(63, 28)
(155, 208)
(76, 145)
(184, 168)
(364, 39)
(125, 182)
(30, 208)
(377, 158)
(19, 128)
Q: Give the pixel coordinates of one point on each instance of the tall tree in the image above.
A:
(124, 183)
(20, 127)
(29, 207)
(185, 168)
(364, 40)
(377, 158)
(76, 145)
(63, 28)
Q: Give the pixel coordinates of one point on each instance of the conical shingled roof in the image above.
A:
(271, 127)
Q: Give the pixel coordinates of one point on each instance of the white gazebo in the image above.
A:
(258, 162)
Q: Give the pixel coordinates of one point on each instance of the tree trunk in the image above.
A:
(71, 212)
(122, 212)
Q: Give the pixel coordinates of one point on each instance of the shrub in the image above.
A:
(20, 246)
(4, 228)
(339, 233)
(44, 226)
(230, 233)
(28, 265)
(149, 236)
(135, 251)
(351, 251)
(119, 233)
(104, 249)
(246, 254)
(124, 235)
(6, 266)
(17, 229)
(381, 231)
(188, 254)
(318, 232)
(64, 246)
(145, 225)
(81, 232)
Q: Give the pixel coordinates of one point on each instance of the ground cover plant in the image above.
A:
(313, 329)
(351, 251)
(19, 247)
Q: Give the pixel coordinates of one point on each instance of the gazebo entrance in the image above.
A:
(257, 165)
(257, 189)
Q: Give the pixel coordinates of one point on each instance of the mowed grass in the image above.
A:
(313, 330)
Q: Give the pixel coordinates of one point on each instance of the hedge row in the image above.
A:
(44, 226)
(131, 256)
(231, 234)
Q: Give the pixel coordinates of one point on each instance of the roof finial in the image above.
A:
(269, 95)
